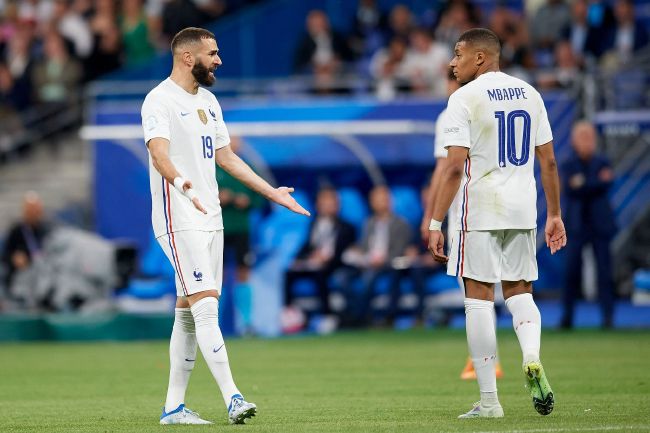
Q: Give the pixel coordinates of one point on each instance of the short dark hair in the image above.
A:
(483, 38)
(191, 35)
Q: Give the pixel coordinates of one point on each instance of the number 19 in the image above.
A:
(208, 150)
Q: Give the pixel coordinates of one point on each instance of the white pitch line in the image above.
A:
(581, 429)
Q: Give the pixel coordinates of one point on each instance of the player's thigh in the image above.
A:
(189, 252)
(519, 262)
(216, 248)
(475, 255)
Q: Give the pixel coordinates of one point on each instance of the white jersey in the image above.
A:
(194, 126)
(500, 119)
(440, 151)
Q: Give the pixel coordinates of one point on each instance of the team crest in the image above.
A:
(202, 116)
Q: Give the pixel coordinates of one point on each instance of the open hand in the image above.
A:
(283, 197)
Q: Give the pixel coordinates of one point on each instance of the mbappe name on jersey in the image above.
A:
(507, 94)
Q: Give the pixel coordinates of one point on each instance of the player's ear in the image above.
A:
(480, 58)
(188, 58)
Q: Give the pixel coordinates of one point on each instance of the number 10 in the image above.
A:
(507, 137)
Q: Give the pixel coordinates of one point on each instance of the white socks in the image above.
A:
(527, 323)
(182, 354)
(482, 342)
(208, 334)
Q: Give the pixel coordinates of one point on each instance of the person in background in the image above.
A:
(236, 202)
(385, 237)
(320, 255)
(321, 51)
(587, 177)
(426, 61)
(24, 240)
(135, 33)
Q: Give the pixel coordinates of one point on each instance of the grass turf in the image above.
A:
(350, 382)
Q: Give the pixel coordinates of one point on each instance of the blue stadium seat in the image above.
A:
(407, 204)
(440, 282)
(354, 208)
(642, 279)
(154, 263)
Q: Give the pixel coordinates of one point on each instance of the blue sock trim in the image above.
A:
(178, 409)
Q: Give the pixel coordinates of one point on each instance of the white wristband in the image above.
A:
(178, 184)
(190, 193)
(435, 225)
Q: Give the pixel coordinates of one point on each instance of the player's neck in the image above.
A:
(185, 80)
(492, 66)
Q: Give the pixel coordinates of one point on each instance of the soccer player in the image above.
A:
(494, 126)
(440, 153)
(185, 134)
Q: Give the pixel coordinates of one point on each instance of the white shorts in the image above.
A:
(493, 256)
(197, 258)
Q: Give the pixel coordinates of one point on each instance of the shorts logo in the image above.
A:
(202, 116)
(198, 275)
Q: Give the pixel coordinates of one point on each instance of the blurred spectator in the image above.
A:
(73, 27)
(389, 69)
(57, 76)
(566, 74)
(385, 237)
(237, 201)
(20, 63)
(36, 12)
(547, 24)
(320, 46)
(321, 51)
(600, 20)
(587, 177)
(24, 240)
(107, 47)
(368, 29)
(458, 17)
(178, 14)
(578, 33)
(426, 62)
(138, 48)
(321, 253)
(400, 22)
(8, 22)
(629, 35)
(513, 34)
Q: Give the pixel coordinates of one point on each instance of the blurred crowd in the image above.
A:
(49, 47)
(402, 51)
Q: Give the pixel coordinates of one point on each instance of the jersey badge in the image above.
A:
(213, 114)
(202, 116)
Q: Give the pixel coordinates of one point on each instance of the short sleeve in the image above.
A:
(456, 123)
(439, 150)
(544, 133)
(221, 131)
(155, 119)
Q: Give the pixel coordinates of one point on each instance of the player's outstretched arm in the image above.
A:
(159, 150)
(554, 232)
(236, 167)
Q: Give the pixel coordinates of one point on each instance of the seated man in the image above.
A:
(328, 237)
(385, 237)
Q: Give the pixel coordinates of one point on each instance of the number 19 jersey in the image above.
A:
(194, 126)
(500, 119)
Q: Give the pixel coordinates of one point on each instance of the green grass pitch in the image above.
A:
(371, 381)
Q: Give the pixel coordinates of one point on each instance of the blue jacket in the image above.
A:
(587, 208)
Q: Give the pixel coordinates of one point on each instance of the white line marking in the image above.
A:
(577, 429)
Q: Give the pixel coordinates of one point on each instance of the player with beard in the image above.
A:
(185, 134)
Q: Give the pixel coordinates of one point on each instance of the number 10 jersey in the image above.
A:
(500, 119)
(194, 126)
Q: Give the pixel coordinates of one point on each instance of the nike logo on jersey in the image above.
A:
(190, 360)
(184, 114)
(216, 350)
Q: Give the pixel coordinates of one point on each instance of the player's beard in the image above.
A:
(201, 74)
